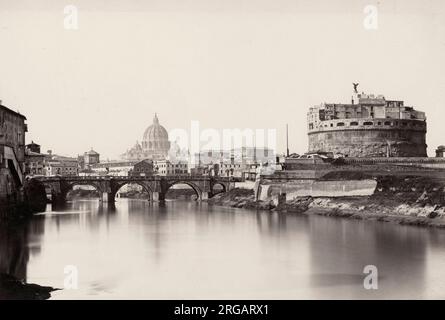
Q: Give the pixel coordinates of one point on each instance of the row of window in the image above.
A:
(371, 123)
(173, 171)
(231, 165)
(172, 166)
(62, 169)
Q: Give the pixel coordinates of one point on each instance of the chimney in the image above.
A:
(287, 140)
(49, 152)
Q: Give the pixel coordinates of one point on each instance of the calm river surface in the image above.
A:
(189, 250)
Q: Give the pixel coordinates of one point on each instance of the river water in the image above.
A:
(190, 250)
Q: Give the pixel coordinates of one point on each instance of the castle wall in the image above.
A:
(370, 137)
(311, 188)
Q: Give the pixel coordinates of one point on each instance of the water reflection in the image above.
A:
(188, 250)
(398, 252)
(14, 251)
(19, 242)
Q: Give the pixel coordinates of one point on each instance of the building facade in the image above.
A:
(34, 160)
(87, 160)
(112, 168)
(166, 167)
(34, 147)
(12, 155)
(370, 126)
(440, 151)
(90, 158)
(243, 155)
(34, 163)
(59, 165)
(233, 162)
(142, 168)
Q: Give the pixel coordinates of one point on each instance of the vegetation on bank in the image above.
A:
(411, 200)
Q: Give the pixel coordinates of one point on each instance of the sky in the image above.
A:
(225, 63)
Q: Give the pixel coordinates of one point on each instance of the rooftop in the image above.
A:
(16, 113)
(32, 153)
(92, 152)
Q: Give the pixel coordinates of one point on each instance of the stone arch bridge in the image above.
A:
(156, 186)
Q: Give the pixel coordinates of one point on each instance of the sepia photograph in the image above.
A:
(222, 155)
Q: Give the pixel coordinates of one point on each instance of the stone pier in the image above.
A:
(204, 195)
(106, 197)
(155, 196)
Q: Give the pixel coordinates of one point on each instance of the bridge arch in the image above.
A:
(220, 188)
(195, 187)
(144, 186)
(69, 186)
(204, 186)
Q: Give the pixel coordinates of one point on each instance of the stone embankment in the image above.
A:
(408, 200)
(23, 203)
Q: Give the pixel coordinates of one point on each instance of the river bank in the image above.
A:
(12, 288)
(417, 201)
(30, 200)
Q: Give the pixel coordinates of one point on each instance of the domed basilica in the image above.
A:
(155, 144)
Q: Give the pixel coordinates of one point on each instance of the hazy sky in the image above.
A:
(226, 63)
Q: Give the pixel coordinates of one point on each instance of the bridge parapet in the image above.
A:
(156, 185)
(139, 178)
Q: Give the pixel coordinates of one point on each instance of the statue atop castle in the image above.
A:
(355, 87)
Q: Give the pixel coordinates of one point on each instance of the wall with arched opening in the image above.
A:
(83, 191)
(133, 190)
(218, 188)
(170, 194)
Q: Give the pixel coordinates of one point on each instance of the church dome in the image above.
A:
(155, 141)
(155, 131)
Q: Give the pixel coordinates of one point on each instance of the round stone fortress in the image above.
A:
(370, 126)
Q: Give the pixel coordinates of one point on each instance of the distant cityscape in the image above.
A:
(370, 127)
(155, 155)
